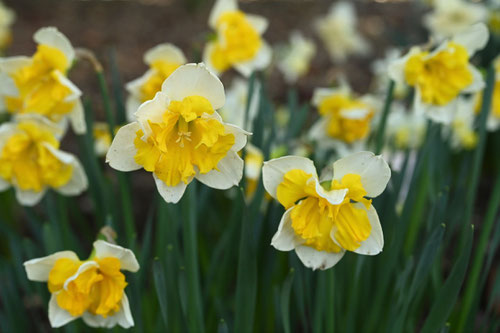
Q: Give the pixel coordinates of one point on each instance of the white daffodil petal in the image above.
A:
(131, 106)
(38, 269)
(231, 171)
(170, 194)
(473, 39)
(334, 197)
(152, 111)
(6, 131)
(260, 62)
(194, 80)
(258, 22)
(29, 198)
(134, 87)
(165, 52)
(121, 153)
(78, 182)
(127, 258)
(207, 57)
(58, 317)
(13, 64)
(375, 242)
(220, 7)
(81, 269)
(77, 118)
(315, 259)
(4, 185)
(8, 86)
(285, 238)
(374, 171)
(321, 93)
(50, 36)
(396, 68)
(123, 317)
(274, 170)
(240, 136)
(477, 81)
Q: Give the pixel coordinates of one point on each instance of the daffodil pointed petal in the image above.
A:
(318, 259)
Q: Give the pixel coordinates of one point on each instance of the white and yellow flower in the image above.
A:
(325, 219)
(338, 31)
(441, 76)
(405, 129)
(234, 110)
(102, 138)
(450, 17)
(39, 84)
(162, 60)
(238, 42)
(7, 17)
(381, 78)
(91, 289)
(493, 121)
(294, 59)
(461, 130)
(179, 136)
(254, 158)
(31, 162)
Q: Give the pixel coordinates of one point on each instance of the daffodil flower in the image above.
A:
(179, 136)
(102, 138)
(31, 162)
(238, 42)
(254, 159)
(441, 76)
(91, 289)
(461, 130)
(493, 121)
(453, 16)
(162, 60)
(235, 107)
(325, 219)
(7, 17)
(405, 129)
(338, 31)
(39, 85)
(345, 119)
(294, 59)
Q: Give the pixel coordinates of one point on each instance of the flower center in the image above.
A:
(98, 289)
(323, 226)
(349, 119)
(26, 161)
(187, 140)
(441, 77)
(238, 40)
(161, 70)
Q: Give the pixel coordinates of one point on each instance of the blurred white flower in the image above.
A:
(380, 70)
(405, 129)
(7, 17)
(461, 130)
(338, 31)
(234, 110)
(294, 58)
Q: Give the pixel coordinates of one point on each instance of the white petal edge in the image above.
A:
(171, 194)
(259, 23)
(29, 198)
(219, 8)
(194, 80)
(320, 94)
(274, 170)
(153, 111)
(285, 238)
(473, 39)
(13, 64)
(38, 269)
(374, 171)
(50, 36)
(8, 86)
(77, 118)
(58, 317)
(260, 62)
(374, 244)
(315, 259)
(165, 52)
(123, 317)
(121, 153)
(127, 258)
(240, 136)
(207, 53)
(78, 181)
(231, 171)
(477, 81)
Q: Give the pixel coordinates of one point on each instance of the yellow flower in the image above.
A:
(179, 136)
(38, 85)
(338, 31)
(238, 40)
(7, 17)
(344, 117)
(31, 162)
(253, 165)
(162, 60)
(441, 76)
(323, 220)
(91, 289)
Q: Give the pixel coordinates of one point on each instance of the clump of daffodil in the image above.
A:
(31, 162)
(179, 136)
(442, 75)
(39, 84)
(338, 31)
(7, 17)
(102, 138)
(405, 129)
(162, 60)
(461, 129)
(345, 118)
(91, 289)
(493, 121)
(325, 219)
(453, 16)
(238, 40)
(294, 59)
(234, 109)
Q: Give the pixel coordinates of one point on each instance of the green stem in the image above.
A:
(194, 304)
(107, 104)
(379, 143)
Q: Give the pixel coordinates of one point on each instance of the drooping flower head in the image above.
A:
(294, 59)
(162, 60)
(91, 289)
(440, 76)
(39, 84)
(338, 31)
(7, 17)
(238, 42)
(325, 219)
(179, 136)
(31, 162)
